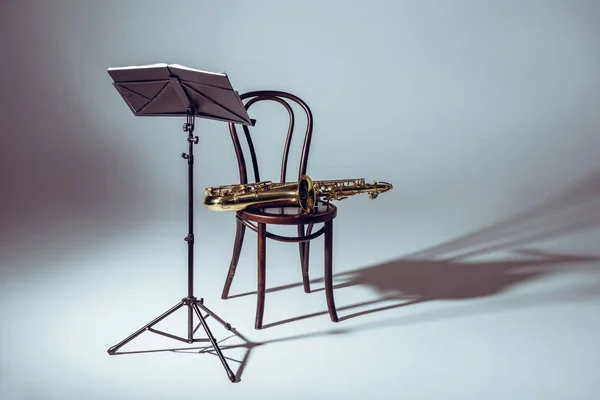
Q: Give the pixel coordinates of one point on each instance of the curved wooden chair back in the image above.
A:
(282, 98)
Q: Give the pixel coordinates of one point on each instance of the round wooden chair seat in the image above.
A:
(289, 215)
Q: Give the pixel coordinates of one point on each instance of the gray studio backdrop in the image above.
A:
(474, 110)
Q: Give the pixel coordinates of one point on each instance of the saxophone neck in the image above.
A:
(378, 188)
(341, 189)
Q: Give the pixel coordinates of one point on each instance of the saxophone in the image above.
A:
(304, 193)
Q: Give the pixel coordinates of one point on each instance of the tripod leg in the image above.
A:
(230, 373)
(116, 347)
(227, 325)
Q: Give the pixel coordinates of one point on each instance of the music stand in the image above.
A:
(177, 91)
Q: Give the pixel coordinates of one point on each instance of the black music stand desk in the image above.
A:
(177, 91)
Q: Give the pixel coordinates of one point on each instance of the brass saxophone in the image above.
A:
(304, 193)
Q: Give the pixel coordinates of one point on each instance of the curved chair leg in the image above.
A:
(237, 250)
(304, 256)
(262, 260)
(328, 271)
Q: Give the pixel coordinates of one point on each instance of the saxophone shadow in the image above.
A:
(444, 272)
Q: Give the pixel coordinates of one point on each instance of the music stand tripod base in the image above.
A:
(194, 306)
(174, 90)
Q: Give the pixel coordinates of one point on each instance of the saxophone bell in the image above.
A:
(307, 196)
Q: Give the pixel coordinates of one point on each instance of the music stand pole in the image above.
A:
(195, 306)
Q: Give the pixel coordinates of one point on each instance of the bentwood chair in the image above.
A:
(257, 219)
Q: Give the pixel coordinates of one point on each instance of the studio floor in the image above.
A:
(516, 322)
(476, 278)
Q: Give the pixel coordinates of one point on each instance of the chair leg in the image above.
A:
(328, 271)
(262, 260)
(304, 256)
(237, 250)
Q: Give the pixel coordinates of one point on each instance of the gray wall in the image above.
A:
(475, 110)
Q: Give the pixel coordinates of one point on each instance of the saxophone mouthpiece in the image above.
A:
(380, 187)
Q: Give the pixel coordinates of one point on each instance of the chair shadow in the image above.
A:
(590, 290)
(584, 292)
(411, 281)
(444, 272)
